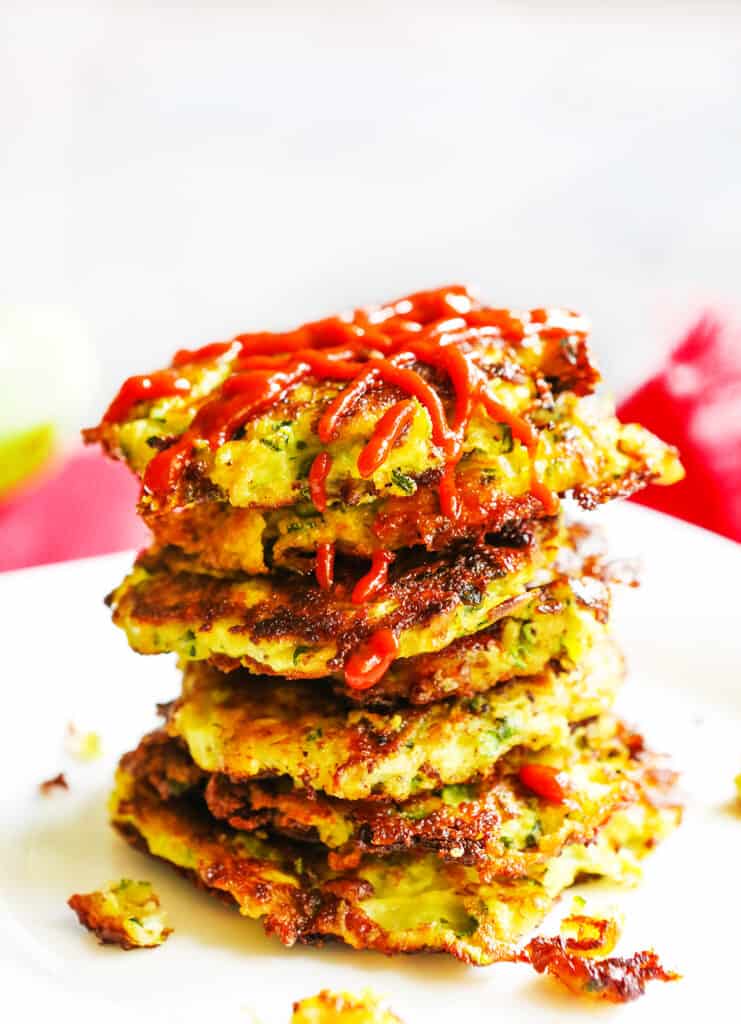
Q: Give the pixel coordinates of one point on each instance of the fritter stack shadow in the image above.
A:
(394, 725)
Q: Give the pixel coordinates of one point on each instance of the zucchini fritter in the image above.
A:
(374, 422)
(288, 625)
(415, 754)
(402, 903)
(300, 730)
(582, 451)
(555, 623)
(496, 824)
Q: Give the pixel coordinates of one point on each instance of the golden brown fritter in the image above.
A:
(359, 431)
(401, 903)
(301, 730)
(497, 824)
(288, 625)
(596, 461)
(556, 623)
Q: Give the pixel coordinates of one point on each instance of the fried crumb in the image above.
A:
(613, 978)
(124, 913)
(85, 746)
(343, 1008)
(584, 935)
(58, 782)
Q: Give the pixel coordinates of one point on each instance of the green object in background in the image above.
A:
(23, 454)
(48, 390)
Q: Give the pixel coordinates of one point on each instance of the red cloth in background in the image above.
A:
(694, 402)
(86, 506)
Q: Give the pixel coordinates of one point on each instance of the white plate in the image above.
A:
(63, 661)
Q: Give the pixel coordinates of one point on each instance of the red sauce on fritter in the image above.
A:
(388, 371)
(200, 355)
(146, 388)
(388, 431)
(389, 345)
(325, 565)
(369, 662)
(377, 347)
(318, 474)
(375, 579)
(544, 780)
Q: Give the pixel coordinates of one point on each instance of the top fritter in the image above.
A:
(429, 420)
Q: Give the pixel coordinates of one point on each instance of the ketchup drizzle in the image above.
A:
(371, 348)
(544, 780)
(369, 662)
(145, 388)
(164, 471)
(318, 474)
(375, 579)
(325, 565)
(199, 355)
(523, 432)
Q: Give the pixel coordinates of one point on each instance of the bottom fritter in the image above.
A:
(402, 902)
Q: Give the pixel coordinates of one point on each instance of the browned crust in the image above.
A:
(320, 910)
(405, 522)
(399, 522)
(307, 917)
(107, 929)
(615, 979)
(426, 678)
(418, 680)
(458, 835)
(420, 587)
(464, 834)
(620, 487)
(165, 764)
(303, 899)
(198, 529)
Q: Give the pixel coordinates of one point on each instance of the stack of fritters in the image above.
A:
(394, 725)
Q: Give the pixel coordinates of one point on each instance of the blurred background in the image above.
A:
(174, 174)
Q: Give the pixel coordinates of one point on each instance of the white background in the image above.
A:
(175, 174)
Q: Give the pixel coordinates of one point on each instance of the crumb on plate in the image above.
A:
(589, 936)
(579, 959)
(616, 979)
(343, 1008)
(85, 746)
(124, 913)
(59, 781)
